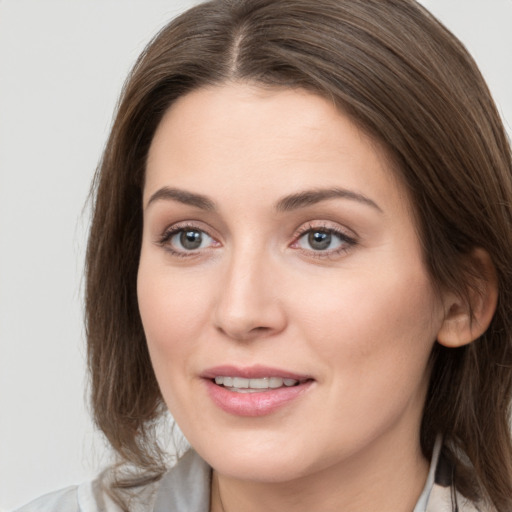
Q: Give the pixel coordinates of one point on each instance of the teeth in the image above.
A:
(239, 382)
(259, 383)
(275, 382)
(242, 384)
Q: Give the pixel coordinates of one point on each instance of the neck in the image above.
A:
(388, 479)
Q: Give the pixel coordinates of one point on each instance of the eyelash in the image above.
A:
(170, 232)
(347, 242)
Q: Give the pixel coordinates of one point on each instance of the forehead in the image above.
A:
(247, 114)
(238, 136)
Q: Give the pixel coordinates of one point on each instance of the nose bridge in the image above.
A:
(248, 303)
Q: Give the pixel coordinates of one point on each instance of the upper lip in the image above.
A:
(251, 372)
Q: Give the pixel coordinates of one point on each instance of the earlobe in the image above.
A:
(465, 322)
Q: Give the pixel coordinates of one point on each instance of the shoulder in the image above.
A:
(65, 499)
(89, 497)
(446, 499)
(184, 488)
(77, 498)
(440, 493)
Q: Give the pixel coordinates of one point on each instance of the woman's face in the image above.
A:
(287, 309)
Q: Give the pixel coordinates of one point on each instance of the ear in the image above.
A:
(464, 323)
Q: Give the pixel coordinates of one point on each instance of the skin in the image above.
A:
(360, 317)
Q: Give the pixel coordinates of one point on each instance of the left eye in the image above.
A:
(190, 240)
(321, 240)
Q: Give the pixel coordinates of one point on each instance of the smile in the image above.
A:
(254, 391)
(244, 385)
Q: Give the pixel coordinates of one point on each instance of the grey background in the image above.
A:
(62, 64)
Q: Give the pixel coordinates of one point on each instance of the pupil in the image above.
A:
(319, 240)
(191, 239)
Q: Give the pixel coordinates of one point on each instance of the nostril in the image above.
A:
(260, 329)
(244, 334)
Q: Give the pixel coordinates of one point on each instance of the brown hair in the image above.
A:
(409, 82)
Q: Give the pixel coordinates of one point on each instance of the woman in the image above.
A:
(300, 245)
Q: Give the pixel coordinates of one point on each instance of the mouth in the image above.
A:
(254, 391)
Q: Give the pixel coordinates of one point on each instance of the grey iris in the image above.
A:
(319, 240)
(191, 239)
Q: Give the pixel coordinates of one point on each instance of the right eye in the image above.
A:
(183, 240)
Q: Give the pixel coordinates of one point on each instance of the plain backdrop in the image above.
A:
(62, 65)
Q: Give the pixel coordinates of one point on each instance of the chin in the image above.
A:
(274, 468)
(263, 461)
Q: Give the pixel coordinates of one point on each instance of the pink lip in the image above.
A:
(253, 404)
(251, 372)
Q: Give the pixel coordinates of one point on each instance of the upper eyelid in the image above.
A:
(348, 237)
(340, 234)
(176, 227)
(334, 227)
(171, 231)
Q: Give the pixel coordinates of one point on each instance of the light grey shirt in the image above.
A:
(186, 488)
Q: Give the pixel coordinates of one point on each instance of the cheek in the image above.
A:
(373, 323)
(372, 338)
(169, 305)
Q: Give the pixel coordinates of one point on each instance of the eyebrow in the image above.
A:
(182, 196)
(287, 203)
(310, 197)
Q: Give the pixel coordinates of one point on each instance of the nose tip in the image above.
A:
(248, 305)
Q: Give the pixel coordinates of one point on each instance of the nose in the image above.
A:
(248, 304)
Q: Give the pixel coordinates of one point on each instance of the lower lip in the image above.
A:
(254, 404)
